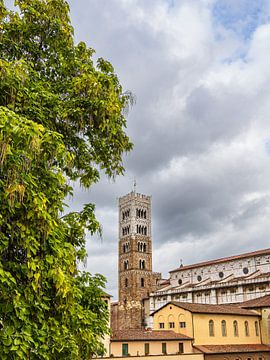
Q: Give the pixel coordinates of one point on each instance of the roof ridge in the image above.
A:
(223, 259)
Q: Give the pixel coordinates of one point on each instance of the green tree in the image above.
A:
(61, 119)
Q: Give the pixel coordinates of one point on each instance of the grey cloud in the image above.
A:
(195, 128)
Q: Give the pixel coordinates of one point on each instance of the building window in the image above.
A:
(245, 270)
(146, 349)
(126, 265)
(256, 328)
(246, 328)
(223, 328)
(126, 282)
(181, 348)
(235, 328)
(211, 328)
(142, 264)
(199, 278)
(164, 348)
(221, 274)
(142, 282)
(180, 281)
(171, 325)
(161, 325)
(124, 349)
(182, 324)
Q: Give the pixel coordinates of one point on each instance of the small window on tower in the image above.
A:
(142, 282)
(126, 282)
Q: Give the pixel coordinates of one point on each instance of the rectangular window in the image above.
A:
(182, 324)
(164, 348)
(124, 349)
(161, 325)
(171, 325)
(181, 348)
(146, 349)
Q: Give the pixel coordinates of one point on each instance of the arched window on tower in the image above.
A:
(144, 247)
(126, 282)
(126, 265)
(145, 231)
(142, 264)
(142, 282)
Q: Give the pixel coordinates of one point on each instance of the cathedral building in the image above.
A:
(230, 280)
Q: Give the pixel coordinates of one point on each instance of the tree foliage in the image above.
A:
(61, 119)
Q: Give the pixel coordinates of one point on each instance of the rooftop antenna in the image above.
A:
(134, 185)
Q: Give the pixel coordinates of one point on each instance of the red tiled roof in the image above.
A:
(210, 309)
(263, 301)
(226, 349)
(136, 335)
(221, 260)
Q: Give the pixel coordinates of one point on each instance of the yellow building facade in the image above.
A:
(149, 343)
(210, 324)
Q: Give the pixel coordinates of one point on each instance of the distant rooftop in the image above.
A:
(260, 302)
(135, 335)
(230, 349)
(221, 260)
(210, 309)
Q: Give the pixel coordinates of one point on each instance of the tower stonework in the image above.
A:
(135, 277)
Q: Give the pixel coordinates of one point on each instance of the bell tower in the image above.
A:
(135, 277)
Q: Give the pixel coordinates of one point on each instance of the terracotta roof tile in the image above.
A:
(221, 260)
(263, 301)
(135, 335)
(210, 309)
(226, 349)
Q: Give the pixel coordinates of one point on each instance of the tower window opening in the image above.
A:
(144, 247)
(126, 265)
(142, 282)
(126, 247)
(126, 282)
(125, 214)
(142, 264)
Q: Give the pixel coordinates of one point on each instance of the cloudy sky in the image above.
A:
(200, 72)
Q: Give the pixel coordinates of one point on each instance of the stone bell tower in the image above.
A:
(135, 277)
